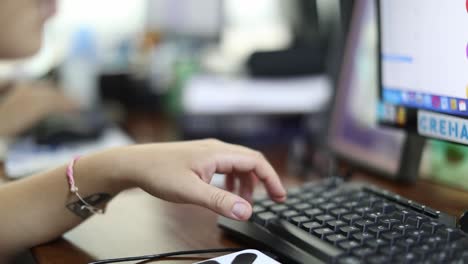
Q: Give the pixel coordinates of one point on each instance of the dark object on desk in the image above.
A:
(335, 222)
(69, 128)
(295, 61)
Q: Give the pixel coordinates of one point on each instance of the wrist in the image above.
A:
(110, 166)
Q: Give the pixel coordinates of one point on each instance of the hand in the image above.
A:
(28, 103)
(181, 173)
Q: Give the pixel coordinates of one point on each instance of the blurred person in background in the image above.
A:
(25, 104)
(42, 207)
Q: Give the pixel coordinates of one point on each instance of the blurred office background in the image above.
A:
(245, 72)
(260, 73)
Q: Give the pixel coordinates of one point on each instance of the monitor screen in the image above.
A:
(354, 133)
(424, 67)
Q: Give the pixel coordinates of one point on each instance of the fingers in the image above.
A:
(247, 185)
(220, 201)
(232, 158)
(229, 182)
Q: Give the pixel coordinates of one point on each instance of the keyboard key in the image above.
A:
(391, 250)
(362, 237)
(372, 201)
(416, 221)
(317, 189)
(431, 227)
(378, 259)
(294, 191)
(301, 206)
(360, 195)
(375, 216)
(403, 228)
(291, 201)
(349, 260)
(377, 230)
(347, 231)
(309, 226)
(317, 201)
(278, 208)
(330, 194)
(257, 209)
(402, 215)
(306, 196)
(408, 258)
(288, 214)
(391, 236)
(335, 224)
(335, 239)
(362, 211)
(363, 252)
(267, 203)
(449, 234)
(351, 218)
(328, 206)
(407, 243)
(438, 257)
(350, 205)
(433, 241)
(422, 250)
(389, 222)
(417, 235)
(297, 220)
(322, 219)
(313, 212)
(376, 243)
(338, 212)
(454, 249)
(363, 224)
(349, 245)
(339, 199)
(264, 218)
(311, 244)
(385, 207)
(322, 232)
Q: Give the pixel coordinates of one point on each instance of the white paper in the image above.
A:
(218, 95)
(25, 157)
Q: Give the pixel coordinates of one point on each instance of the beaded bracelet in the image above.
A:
(74, 189)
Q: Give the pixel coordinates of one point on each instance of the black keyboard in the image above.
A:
(335, 222)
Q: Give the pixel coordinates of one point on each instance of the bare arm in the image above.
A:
(40, 208)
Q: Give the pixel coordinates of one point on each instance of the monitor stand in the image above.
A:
(410, 159)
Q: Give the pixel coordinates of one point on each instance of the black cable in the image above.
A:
(165, 255)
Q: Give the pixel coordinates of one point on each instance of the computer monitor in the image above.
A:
(424, 67)
(354, 134)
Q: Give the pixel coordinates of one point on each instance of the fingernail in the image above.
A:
(239, 210)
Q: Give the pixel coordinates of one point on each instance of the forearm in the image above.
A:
(40, 208)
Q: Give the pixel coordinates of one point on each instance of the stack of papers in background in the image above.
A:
(25, 157)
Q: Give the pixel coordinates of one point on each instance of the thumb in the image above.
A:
(222, 202)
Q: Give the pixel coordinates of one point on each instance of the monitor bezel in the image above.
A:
(334, 146)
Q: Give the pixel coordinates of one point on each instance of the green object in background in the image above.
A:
(183, 70)
(448, 164)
